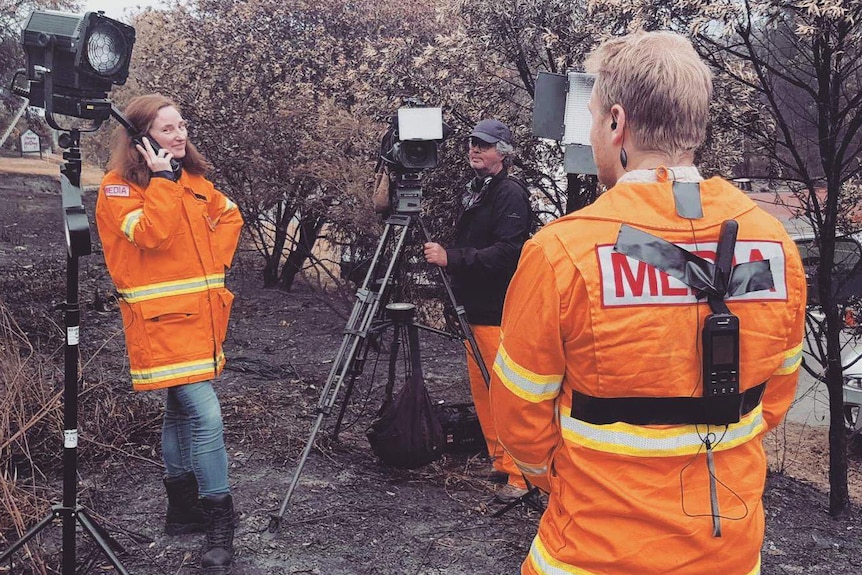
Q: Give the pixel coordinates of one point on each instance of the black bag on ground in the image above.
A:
(407, 433)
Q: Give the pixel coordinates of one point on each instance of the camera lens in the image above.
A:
(418, 155)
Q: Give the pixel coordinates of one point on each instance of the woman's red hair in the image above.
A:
(126, 159)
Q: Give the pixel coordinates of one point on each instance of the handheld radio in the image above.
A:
(721, 355)
(721, 328)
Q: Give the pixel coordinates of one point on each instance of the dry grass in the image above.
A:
(113, 424)
(802, 452)
(29, 421)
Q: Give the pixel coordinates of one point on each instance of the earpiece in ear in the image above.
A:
(614, 124)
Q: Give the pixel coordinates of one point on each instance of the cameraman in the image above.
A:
(494, 222)
(598, 387)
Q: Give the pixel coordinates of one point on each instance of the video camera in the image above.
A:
(410, 143)
(408, 147)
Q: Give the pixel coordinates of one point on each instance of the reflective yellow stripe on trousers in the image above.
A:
(791, 362)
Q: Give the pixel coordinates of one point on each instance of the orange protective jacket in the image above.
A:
(167, 248)
(625, 498)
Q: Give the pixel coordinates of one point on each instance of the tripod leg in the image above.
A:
(102, 539)
(355, 371)
(32, 532)
(275, 520)
(461, 314)
(365, 311)
(358, 351)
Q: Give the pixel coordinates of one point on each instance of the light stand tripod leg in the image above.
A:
(102, 539)
(362, 316)
(30, 534)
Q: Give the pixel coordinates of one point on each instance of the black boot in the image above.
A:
(217, 554)
(185, 513)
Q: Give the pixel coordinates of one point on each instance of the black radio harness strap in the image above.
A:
(715, 410)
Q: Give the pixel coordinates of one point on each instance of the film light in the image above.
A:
(74, 60)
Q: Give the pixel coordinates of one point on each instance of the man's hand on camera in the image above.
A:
(157, 161)
(435, 254)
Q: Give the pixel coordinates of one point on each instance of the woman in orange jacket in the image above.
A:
(598, 388)
(168, 237)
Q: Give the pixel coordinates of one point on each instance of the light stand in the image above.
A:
(365, 318)
(77, 230)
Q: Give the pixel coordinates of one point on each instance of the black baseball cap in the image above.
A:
(492, 131)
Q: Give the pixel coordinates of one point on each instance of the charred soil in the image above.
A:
(349, 515)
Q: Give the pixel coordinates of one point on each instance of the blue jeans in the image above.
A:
(193, 437)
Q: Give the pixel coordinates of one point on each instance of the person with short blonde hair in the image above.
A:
(602, 390)
(657, 86)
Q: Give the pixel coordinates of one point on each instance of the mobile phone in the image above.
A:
(720, 355)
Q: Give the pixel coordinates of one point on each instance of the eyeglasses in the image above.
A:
(475, 142)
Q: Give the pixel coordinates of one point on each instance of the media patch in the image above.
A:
(629, 282)
(117, 191)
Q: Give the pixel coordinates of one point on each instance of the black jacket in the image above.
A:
(487, 244)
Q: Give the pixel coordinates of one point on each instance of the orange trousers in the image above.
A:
(488, 340)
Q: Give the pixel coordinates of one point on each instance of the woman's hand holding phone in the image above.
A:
(157, 159)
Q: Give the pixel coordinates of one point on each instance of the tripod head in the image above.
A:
(407, 198)
(401, 313)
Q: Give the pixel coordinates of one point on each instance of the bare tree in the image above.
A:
(279, 100)
(801, 62)
(520, 38)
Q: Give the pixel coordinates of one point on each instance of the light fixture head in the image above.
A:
(75, 58)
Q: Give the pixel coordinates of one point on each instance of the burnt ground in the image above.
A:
(349, 515)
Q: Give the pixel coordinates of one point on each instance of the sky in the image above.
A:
(118, 9)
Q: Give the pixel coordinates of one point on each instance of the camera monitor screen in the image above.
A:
(420, 124)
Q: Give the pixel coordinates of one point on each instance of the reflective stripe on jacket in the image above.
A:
(167, 248)
(580, 317)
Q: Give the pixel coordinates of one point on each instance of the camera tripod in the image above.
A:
(366, 319)
(77, 230)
